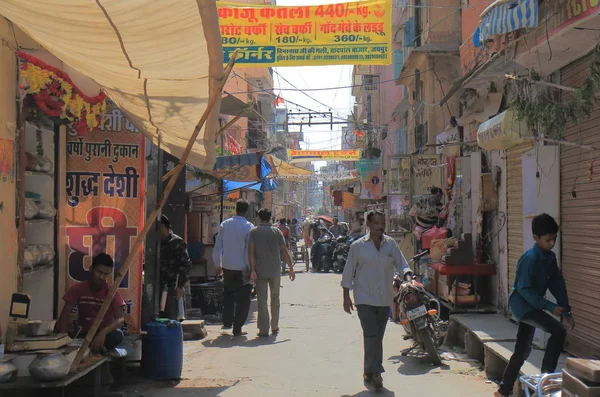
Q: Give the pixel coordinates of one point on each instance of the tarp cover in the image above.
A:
(283, 169)
(156, 59)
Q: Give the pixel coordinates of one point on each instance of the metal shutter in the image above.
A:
(580, 222)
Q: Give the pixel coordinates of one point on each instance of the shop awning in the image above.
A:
(156, 59)
(505, 16)
(247, 167)
(502, 132)
(283, 169)
(232, 106)
(265, 185)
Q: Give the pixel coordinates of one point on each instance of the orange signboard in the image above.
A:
(105, 204)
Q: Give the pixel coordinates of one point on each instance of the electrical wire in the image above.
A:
(316, 89)
(302, 91)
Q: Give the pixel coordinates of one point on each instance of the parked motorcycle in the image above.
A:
(419, 314)
(322, 260)
(340, 252)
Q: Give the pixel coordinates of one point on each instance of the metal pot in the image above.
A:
(8, 370)
(39, 327)
(49, 367)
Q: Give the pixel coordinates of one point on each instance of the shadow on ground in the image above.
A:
(226, 340)
(200, 387)
(416, 363)
(370, 392)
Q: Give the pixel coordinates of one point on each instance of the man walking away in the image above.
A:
(537, 271)
(175, 264)
(230, 257)
(266, 248)
(287, 236)
(369, 271)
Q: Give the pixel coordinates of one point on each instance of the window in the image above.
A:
(418, 22)
(398, 63)
(421, 136)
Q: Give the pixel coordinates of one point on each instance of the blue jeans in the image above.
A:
(113, 339)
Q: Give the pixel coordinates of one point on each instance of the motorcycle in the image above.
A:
(340, 253)
(323, 260)
(419, 314)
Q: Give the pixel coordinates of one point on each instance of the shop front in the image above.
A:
(580, 217)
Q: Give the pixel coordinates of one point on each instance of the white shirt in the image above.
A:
(369, 271)
(231, 247)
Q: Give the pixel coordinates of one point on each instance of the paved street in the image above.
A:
(318, 353)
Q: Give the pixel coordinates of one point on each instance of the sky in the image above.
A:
(338, 100)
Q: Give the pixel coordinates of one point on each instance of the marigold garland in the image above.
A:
(57, 95)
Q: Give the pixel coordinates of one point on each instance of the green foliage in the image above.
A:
(543, 114)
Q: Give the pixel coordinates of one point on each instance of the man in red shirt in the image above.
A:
(89, 296)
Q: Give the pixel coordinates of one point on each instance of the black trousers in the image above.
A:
(527, 325)
(236, 300)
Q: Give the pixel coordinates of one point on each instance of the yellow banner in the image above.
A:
(356, 33)
(300, 156)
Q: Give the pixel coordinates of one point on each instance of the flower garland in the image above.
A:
(56, 95)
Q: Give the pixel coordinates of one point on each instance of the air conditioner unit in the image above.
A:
(370, 82)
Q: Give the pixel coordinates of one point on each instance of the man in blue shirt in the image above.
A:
(537, 272)
(231, 258)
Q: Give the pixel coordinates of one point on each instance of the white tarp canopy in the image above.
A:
(156, 59)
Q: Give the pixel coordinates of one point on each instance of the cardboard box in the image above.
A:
(574, 387)
(464, 299)
(588, 370)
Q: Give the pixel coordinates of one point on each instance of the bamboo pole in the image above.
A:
(230, 123)
(545, 83)
(214, 96)
(168, 175)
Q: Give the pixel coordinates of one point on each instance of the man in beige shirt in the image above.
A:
(266, 249)
(369, 272)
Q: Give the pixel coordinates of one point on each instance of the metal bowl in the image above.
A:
(40, 327)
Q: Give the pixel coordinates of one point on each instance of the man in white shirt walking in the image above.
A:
(369, 271)
(231, 258)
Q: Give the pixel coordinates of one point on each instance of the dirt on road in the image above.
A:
(317, 353)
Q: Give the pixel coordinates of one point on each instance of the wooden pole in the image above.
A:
(168, 175)
(230, 123)
(214, 96)
(545, 83)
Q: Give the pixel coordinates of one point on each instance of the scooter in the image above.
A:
(324, 261)
(419, 314)
(340, 252)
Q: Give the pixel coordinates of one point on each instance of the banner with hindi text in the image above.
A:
(354, 33)
(300, 156)
(105, 204)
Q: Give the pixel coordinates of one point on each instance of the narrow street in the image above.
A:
(318, 353)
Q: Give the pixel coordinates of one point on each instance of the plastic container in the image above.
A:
(162, 350)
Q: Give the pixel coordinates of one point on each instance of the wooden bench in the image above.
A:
(93, 363)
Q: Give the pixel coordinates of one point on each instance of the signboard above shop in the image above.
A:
(355, 33)
(502, 132)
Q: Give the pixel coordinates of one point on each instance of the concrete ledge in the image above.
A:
(488, 327)
(491, 338)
